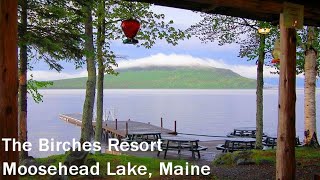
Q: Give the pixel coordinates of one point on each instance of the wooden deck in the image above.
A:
(110, 129)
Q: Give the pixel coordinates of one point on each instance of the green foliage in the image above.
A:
(33, 86)
(304, 156)
(263, 157)
(224, 159)
(227, 30)
(153, 27)
(303, 44)
(177, 78)
(308, 153)
(53, 33)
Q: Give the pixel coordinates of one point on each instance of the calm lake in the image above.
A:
(209, 112)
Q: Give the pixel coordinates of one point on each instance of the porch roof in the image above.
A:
(265, 10)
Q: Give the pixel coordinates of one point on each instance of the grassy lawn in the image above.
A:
(304, 156)
(152, 164)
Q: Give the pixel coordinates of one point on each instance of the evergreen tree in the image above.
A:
(42, 29)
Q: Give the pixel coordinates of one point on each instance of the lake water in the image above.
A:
(210, 112)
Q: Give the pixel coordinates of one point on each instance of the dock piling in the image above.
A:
(127, 128)
(116, 124)
(161, 122)
(175, 127)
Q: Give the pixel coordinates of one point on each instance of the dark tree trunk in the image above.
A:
(23, 65)
(8, 82)
(259, 93)
(86, 127)
(101, 69)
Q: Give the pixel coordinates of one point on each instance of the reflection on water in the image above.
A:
(210, 112)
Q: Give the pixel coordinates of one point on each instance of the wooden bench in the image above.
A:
(198, 149)
(221, 147)
(236, 144)
(179, 148)
(272, 142)
(181, 143)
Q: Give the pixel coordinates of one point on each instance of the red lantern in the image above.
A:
(130, 27)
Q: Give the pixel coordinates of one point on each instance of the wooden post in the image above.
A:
(8, 82)
(116, 124)
(127, 128)
(161, 122)
(286, 164)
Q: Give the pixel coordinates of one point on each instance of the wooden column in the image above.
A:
(286, 164)
(8, 81)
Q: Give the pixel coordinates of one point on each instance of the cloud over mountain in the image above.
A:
(170, 60)
(160, 59)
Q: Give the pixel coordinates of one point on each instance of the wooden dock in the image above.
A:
(117, 129)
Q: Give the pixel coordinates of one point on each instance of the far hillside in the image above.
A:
(166, 78)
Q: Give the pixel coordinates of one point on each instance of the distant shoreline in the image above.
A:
(299, 89)
(166, 78)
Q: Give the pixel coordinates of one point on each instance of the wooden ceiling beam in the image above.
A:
(264, 10)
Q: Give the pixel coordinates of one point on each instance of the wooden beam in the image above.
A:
(251, 6)
(286, 164)
(8, 81)
(267, 10)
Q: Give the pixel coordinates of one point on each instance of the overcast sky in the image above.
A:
(187, 52)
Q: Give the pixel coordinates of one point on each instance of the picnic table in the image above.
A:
(181, 143)
(243, 132)
(271, 141)
(237, 144)
(146, 136)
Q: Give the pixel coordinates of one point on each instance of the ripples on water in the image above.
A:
(210, 112)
